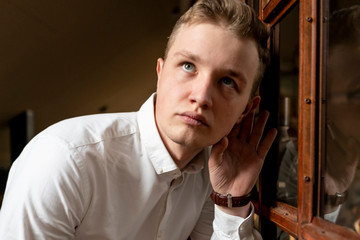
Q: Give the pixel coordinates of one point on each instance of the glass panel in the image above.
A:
(288, 110)
(342, 172)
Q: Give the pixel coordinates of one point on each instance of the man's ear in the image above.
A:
(251, 106)
(159, 67)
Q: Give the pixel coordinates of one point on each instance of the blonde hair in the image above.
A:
(234, 15)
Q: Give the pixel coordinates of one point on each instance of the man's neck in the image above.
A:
(181, 155)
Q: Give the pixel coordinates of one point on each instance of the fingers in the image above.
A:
(234, 133)
(257, 133)
(258, 130)
(266, 143)
(252, 135)
(246, 126)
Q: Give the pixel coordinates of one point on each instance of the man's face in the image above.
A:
(204, 85)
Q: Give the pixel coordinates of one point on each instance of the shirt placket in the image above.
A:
(173, 184)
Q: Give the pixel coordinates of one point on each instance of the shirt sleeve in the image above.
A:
(214, 224)
(233, 227)
(42, 183)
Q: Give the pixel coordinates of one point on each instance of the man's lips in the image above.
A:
(193, 119)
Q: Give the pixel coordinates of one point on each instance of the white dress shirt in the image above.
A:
(109, 176)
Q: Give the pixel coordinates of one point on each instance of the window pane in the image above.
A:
(288, 110)
(342, 173)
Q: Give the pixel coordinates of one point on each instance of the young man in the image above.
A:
(149, 174)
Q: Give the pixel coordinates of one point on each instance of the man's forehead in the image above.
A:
(192, 25)
(217, 47)
(192, 29)
(189, 33)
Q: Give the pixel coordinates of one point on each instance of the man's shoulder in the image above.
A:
(91, 129)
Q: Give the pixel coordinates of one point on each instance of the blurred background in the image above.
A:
(61, 59)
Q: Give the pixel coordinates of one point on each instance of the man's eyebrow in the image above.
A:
(187, 54)
(236, 74)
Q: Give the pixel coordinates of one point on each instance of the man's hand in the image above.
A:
(236, 160)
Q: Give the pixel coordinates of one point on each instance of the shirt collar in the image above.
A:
(150, 138)
(155, 148)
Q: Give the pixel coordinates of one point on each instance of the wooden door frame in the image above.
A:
(302, 222)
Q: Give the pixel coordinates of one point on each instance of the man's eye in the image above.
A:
(228, 82)
(189, 67)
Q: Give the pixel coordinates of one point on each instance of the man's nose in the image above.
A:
(202, 92)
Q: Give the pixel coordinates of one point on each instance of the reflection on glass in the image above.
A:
(288, 117)
(342, 172)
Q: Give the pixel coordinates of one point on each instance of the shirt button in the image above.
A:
(161, 170)
(242, 228)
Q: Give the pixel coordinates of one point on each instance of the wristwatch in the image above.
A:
(227, 200)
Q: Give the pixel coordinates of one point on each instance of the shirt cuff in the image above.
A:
(233, 227)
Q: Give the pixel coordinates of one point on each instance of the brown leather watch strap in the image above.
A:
(226, 200)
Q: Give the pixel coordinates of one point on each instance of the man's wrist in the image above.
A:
(227, 200)
(239, 206)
